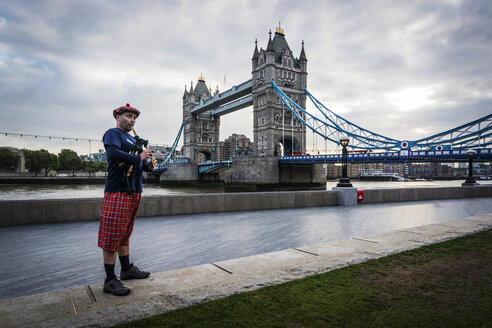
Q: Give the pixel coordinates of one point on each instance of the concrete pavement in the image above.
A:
(88, 306)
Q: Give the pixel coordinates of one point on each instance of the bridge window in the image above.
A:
(261, 100)
(278, 118)
(262, 141)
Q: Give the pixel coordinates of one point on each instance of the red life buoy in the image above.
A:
(360, 194)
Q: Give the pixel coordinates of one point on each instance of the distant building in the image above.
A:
(98, 157)
(395, 168)
(459, 171)
(235, 145)
(424, 170)
(413, 170)
(354, 170)
(160, 152)
(482, 169)
(20, 167)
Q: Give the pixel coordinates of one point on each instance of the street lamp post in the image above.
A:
(344, 180)
(470, 180)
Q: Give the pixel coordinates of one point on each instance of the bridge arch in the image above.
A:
(286, 146)
(203, 156)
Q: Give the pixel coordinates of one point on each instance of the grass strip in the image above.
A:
(441, 285)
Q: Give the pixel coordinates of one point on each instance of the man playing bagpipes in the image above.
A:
(126, 159)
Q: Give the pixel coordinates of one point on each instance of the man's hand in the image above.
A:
(147, 153)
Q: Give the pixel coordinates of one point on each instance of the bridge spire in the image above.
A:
(303, 54)
(270, 43)
(255, 53)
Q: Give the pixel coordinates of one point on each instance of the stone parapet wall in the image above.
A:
(419, 194)
(22, 212)
(73, 210)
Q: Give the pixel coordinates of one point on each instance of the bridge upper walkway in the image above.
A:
(237, 97)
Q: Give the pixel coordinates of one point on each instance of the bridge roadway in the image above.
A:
(49, 257)
(235, 98)
(402, 156)
(438, 156)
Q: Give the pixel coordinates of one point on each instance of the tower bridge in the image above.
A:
(278, 93)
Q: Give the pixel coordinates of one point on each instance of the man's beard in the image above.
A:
(127, 127)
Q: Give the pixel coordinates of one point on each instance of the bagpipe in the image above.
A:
(137, 148)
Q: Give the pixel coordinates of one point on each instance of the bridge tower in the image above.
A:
(200, 131)
(274, 125)
(275, 129)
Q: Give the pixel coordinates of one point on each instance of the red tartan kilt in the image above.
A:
(117, 218)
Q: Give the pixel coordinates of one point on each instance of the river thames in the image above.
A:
(24, 192)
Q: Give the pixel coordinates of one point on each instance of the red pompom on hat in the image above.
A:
(127, 108)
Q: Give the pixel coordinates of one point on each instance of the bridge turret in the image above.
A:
(254, 60)
(270, 51)
(200, 131)
(303, 67)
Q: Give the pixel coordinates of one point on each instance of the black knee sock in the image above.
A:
(109, 268)
(125, 262)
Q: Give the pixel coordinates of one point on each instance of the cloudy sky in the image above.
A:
(404, 69)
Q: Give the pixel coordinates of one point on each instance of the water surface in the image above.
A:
(24, 192)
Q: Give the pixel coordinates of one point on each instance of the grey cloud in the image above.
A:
(77, 60)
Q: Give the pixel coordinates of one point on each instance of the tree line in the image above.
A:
(37, 161)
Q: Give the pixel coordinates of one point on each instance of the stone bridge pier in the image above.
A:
(265, 173)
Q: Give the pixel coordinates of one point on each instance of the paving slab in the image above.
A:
(88, 306)
(33, 309)
(484, 219)
(265, 263)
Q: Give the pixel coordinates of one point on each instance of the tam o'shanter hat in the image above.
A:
(127, 108)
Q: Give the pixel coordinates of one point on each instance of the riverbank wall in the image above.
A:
(54, 180)
(21, 212)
